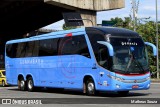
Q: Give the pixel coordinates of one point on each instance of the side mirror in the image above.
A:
(153, 47)
(109, 46)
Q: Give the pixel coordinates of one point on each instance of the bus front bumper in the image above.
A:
(127, 85)
(121, 86)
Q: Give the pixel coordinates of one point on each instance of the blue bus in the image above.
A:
(89, 59)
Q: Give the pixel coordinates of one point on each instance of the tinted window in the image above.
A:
(27, 49)
(94, 37)
(48, 47)
(35, 51)
(11, 50)
(21, 50)
(126, 42)
(103, 57)
(73, 45)
(100, 51)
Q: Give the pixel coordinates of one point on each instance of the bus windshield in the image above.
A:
(126, 61)
(130, 56)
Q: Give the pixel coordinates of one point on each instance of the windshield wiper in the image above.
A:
(137, 63)
(129, 63)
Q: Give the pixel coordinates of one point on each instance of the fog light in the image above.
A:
(117, 86)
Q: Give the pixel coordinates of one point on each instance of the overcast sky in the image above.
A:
(146, 9)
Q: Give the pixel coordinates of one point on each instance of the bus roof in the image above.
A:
(49, 35)
(114, 31)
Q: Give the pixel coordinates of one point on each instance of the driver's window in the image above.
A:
(103, 57)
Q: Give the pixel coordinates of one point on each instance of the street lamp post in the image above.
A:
(157, 40)
(134, 15)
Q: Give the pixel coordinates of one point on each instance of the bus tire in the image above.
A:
(123, 93)
(90, 87)
(30, 84)
(21, 84)
(3, 83)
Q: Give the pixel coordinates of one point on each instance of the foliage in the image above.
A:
(67, 27)
(148, 32)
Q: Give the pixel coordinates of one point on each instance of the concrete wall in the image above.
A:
(91, 15)
(94, 5)
(88, 8)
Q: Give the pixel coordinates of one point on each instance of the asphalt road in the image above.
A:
(68, 98)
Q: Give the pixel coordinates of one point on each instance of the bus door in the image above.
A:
(105, 53)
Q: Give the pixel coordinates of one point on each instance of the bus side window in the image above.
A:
(11, 50)
(81, 46)
(74, 45)
(29, 49)
(35, 51)
(65, 46)
(21, 50)
(48, 47)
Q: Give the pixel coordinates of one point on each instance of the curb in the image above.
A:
(155, 80)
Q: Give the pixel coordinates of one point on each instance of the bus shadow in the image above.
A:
(6, 86)
(114, 94)
(75, 92)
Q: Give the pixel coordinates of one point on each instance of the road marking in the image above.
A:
(7, 87)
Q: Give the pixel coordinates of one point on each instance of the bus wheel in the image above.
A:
(30, 84)
(123, 93)
(3, 84)
(21, 84)
(90, 87)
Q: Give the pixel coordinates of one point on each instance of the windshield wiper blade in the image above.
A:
(132, 60)
(129, 63)
(139, 65)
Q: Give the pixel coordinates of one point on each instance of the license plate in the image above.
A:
(135, 86)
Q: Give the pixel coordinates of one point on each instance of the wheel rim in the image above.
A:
(90, 87)
(22, 83)
(3, 84)
(30, 84)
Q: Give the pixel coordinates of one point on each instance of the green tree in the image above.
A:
(119, 21)
(148, 33)
(127, 22)
(67, 27)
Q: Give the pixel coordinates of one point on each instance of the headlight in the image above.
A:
(148, 78)
(119, 79)
(116, 78)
